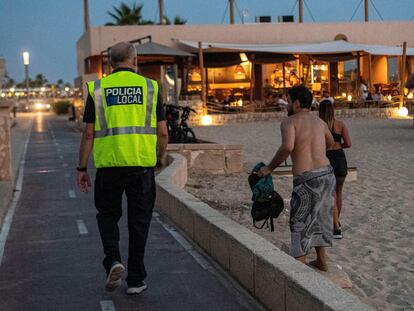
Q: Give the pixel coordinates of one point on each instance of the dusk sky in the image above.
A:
(49, 29)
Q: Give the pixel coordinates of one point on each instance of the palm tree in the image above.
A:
(39, 80)
(127, 15)
(177, 20)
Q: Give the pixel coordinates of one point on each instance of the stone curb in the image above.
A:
(270, 275)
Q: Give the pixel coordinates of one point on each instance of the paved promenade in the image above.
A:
(52, 257)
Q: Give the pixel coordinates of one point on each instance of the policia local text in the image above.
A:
(123, 95)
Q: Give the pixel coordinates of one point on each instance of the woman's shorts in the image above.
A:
(338, 162)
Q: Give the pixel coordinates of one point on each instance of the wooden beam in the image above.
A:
(231, 11)
(252, 82)
(300, 11)
(203, 77)
(366, 7)
(370, 73)
(358, 74)
(404, 60)
(161, 9)
(86, 14)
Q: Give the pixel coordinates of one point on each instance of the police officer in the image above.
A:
(126, 129)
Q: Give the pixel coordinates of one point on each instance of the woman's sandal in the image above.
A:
(315, 264)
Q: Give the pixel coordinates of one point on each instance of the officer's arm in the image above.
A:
(86, 144)
(162, 135)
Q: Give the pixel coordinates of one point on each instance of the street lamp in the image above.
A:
(26, 57)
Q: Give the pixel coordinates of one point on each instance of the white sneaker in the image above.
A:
(114, 279)
(136, 290)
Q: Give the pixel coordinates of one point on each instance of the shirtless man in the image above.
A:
(305, 138)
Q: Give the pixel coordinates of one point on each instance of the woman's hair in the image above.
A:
(327, 113)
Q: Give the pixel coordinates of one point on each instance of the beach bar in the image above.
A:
(250, 67)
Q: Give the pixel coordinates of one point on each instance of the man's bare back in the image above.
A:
(311, 136)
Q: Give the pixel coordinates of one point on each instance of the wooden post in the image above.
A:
(366, 11)
(86, 14)
(161, 9)
(284, 78)
(252, 82)
(231, 11)
(358, 73)
(300, 11)
(203, 77)
(404, 60)
(176, 90)
(370, 73)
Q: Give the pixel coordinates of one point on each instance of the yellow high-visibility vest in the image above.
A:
(126, 121)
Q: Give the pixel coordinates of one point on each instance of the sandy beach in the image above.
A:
(378, 210)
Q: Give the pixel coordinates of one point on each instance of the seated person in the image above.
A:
(327, 96)
(282, 101)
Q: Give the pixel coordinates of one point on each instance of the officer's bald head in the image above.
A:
(123, 54)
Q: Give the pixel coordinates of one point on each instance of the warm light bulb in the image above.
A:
(343, 95)
(240, 102)
(42, 89)
(410, 96)
(243, 57)
(206, 120)
(389, 97)
(349, 98)
(403, 112)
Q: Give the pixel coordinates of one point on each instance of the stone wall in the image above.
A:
(5, 148)
(213, 158)
(229, 118)
(6, 179)
(274, 278)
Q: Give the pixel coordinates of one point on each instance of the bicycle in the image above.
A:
(179, 132)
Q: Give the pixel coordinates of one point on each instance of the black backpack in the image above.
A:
(267, 203)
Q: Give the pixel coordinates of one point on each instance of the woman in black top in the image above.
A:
(336, 156)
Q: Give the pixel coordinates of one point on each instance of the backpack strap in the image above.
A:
(266, 222)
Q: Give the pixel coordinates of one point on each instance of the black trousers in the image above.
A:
(139, 186)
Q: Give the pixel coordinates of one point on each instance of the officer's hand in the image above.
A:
(161, 161)
(264, 171)
(84, 182)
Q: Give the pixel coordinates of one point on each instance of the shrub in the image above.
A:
(61, 107)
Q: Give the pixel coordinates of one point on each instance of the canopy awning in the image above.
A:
(331, 47)
(152, 48)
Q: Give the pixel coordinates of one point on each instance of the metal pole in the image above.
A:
(203, 76)
(86, 14)
(366, 11)
(404, 60)
(161, 9)
(26, 72)
(300, 11)
(231, 11)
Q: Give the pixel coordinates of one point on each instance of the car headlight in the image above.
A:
(39, 106)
